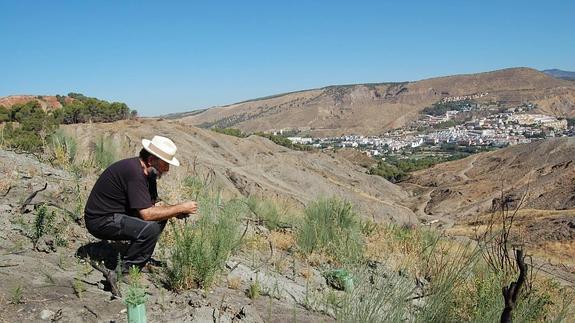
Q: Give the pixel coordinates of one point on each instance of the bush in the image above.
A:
(64, 149)
(269, 213)
(330, 226)
(105, 153)
(230, 132)
(201, 249)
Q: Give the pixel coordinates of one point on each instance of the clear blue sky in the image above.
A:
(173, 56)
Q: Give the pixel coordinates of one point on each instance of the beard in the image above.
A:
(154, 173)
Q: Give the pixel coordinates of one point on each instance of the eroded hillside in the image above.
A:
(373, 108)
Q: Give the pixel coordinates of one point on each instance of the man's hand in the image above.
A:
(189, 207)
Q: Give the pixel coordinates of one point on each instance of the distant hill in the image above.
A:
(374, 108)
(560, 74)
(465, 187)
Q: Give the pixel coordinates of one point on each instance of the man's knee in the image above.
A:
(152, 230)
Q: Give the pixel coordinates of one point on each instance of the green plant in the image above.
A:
(230, 132)
(16, 295)
(79, 287)
(254, 290)
(105, 153)
(331, 226)
(136, 294)
(44, 223)
(201, 249)
(269, 212)
(64, 149)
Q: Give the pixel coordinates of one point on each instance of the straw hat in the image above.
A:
(163, 148)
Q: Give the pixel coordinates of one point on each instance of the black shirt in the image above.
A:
(122, 188)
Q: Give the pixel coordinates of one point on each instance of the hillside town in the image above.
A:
(501, 128)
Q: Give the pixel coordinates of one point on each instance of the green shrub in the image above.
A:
(64, 149)
(377, 296)
(136, 294)
(230, 132)
(44, 224)
(331, 226)
(201, 249)
(269, 212)
(105, 153)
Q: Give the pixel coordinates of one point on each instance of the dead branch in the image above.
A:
(31, 197)
(511, 293)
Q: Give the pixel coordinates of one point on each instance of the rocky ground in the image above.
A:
(48, 279)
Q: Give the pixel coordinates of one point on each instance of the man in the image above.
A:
(122, 206)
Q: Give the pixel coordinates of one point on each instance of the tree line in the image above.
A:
(27, 126)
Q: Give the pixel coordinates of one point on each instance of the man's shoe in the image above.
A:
(156, 263)
(112, 279)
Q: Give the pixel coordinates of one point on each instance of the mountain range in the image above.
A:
(371, 109)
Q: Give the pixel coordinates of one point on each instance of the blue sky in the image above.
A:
(174, 56)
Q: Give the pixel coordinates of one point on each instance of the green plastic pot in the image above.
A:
(137, 313)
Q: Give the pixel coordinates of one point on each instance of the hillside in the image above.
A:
(255, 165)
(373, 108)
(544, 169)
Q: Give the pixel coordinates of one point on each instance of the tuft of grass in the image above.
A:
(254, 290)
(63, 150)
(105, 153)
(17, 295)
(201, 249)
(331, 226)
(270, 212)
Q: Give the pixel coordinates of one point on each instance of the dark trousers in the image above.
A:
(142, 235)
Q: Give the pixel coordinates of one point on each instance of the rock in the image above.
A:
(46, 315)
(248, 314)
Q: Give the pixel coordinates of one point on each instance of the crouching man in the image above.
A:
(122, 206)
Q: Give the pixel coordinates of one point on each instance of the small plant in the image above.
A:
(331, 226)
(105, 153)
(136, 294)
(16, 296)
(64, 149)
(254, 291)
(44, 224)
(79, 287)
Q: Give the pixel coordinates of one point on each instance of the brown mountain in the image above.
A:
(373, 108)
(543, 170)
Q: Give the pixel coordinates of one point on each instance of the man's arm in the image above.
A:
(160, 213)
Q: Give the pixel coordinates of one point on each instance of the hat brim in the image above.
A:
(146, 143)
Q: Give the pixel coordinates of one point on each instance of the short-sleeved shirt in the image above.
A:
(122, 188)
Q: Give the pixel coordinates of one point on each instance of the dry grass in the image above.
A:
(282, 240)
(555, 251)
(234, 282)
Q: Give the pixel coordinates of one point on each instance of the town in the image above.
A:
(469, 125)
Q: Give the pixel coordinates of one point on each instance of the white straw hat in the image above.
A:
(163, 148)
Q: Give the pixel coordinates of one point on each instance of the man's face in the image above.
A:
(160, 166)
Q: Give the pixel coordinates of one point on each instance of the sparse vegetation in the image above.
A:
(17, 295)
(43, 224)
(201, 249)
(283, 141)
(230, 132)
(271, 213)
(331, 226)
(105, 153)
